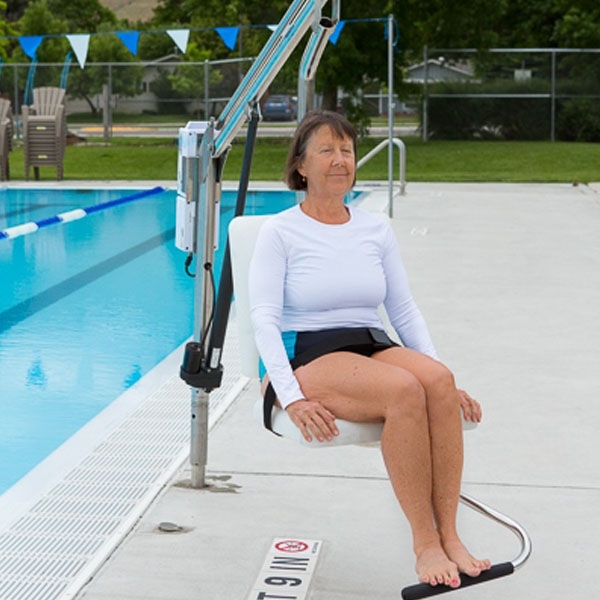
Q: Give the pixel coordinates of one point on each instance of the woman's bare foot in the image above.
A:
(456, 552)
(434, 567)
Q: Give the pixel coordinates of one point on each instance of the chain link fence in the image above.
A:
(517, 94)
(191, 90)
(520, 94)
(167, 90)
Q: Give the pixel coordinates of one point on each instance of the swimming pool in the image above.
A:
(87, 308)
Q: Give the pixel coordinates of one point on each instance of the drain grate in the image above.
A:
(54, 548)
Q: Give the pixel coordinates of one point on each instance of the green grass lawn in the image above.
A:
(478, 161)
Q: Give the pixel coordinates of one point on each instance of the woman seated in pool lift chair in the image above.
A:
(318, 274)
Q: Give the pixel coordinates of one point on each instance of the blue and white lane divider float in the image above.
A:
(74, 215)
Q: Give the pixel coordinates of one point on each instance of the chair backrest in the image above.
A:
(242, 239)
(47, 100)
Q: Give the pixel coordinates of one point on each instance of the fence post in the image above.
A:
(105, 111)
(391, 107)
(425, 132)
(206, 94)
(553, 96)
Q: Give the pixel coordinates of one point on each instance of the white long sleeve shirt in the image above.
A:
(306, 276)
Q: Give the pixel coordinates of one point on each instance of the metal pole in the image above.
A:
(553, 97)
(425, 133)
(207, 197)
(206, 95)
(391, 115)
(110, 95)
(105, 110)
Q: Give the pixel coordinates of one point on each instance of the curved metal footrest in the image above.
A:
(425, 590)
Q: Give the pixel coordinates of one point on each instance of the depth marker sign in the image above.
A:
(287, 570)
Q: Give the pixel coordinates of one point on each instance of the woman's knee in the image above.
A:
(406, 398)
(441, 391)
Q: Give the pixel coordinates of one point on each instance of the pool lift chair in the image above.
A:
(203, 147)
(242, 236)
(45, 131)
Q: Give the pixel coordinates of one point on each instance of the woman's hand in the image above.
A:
(470, 407)
(311, 417)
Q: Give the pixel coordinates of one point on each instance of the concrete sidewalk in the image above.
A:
(508, 278)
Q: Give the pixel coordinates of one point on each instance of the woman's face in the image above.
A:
(329, 164)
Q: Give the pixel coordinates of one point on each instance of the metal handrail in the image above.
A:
(402, 164)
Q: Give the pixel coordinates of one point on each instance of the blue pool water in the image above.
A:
(86, 309)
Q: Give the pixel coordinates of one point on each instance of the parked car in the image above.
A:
(280, 107)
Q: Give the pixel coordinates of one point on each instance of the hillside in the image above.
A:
(133, 10)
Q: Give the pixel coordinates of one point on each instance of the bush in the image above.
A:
(578, 120)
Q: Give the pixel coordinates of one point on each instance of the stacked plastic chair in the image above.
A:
(6, 138)
(45, 131)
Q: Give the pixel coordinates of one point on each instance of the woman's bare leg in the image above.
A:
(445, 430)
(356, 388)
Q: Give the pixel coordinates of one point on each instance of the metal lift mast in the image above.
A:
(203, 148)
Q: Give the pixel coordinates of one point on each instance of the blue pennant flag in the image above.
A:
(30, 44)
(395, 32)
(228, 35)
(130, 39)
(333, 38)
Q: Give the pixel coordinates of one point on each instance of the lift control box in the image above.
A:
(188, 159)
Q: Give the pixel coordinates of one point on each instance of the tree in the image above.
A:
(208, 14)
(579, 26)
(107, 48)
(15, 9)
(5, 30)
(442, 24)
(53, 19)
(38, 19)
(84, 16)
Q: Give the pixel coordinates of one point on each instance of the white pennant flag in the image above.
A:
(180, 37)
(80, 43)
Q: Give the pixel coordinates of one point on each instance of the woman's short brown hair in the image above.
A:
(338, 124)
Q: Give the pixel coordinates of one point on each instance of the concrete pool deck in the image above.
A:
(508, 277)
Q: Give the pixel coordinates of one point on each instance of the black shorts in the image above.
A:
(310, 345)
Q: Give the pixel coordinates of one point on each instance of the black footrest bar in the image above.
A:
(425, 590)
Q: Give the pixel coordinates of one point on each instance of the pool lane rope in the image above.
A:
(74, 215)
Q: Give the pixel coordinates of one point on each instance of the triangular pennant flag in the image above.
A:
(130, 39)
(30, 44)
(180, 37)
(228, 35)
(333, 38)
(80, 42)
